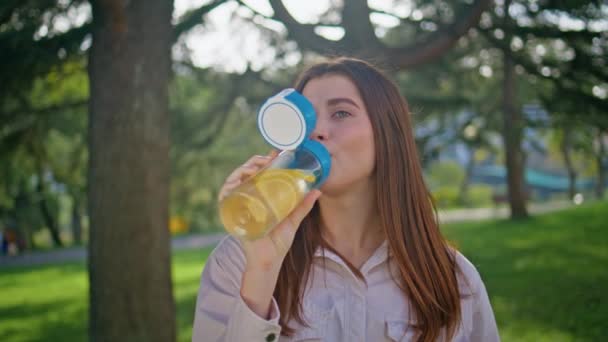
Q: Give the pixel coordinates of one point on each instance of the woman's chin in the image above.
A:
(336, 186)
(330, 188)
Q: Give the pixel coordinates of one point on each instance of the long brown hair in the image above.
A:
(425, 262)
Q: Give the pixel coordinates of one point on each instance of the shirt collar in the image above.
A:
(381, 254)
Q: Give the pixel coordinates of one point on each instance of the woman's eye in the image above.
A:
(341, 114)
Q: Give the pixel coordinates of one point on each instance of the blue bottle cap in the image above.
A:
(286, 119)
(322, 154)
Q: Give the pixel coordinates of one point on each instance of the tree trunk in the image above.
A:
(20, 220)
(22, 232)
(512, 133)
(466, 182)
(601, 173)
(76, 220)
(566, 147)
(47, 215)
(129, 253)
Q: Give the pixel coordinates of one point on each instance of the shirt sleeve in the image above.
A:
(484, 323)
(221, 313)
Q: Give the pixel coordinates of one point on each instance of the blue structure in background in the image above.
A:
(542, 183)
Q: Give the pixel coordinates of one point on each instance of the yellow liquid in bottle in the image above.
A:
(263, 201)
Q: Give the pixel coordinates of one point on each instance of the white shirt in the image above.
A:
(337, 305)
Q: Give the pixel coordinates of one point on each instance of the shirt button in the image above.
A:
(271, 337)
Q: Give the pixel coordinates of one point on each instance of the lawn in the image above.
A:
(546, 277)
(49, 303)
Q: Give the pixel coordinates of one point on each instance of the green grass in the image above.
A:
(546, 278)
(50, 303)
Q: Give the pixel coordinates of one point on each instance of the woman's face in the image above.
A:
(343, 126)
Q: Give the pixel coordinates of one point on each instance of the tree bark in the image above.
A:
(48, 217)
(601, 172)
(360, 39)
(76, 220)
(466, 182)
(20, 219)
(566, 147)
(129, 252)
(512, 130)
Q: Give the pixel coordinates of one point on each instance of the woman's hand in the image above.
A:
(265, 255)
(269, 251)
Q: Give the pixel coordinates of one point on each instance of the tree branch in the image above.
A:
(27, 109)
(360, 38)
(194, 17)
(440, 41)
(304, 34)
(254, 11)
(218, 111)
(26, 116)
(358, 26)
(546, 31)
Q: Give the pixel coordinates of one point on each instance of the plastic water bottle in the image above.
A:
(260, 203)
(253, 208)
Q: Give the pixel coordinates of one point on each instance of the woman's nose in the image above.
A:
(320, 133)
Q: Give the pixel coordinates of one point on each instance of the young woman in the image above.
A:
(361, 260)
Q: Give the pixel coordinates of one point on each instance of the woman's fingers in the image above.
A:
(244, 172)
(255, 161)
(248, 169)
(282, 236)
(273, 154)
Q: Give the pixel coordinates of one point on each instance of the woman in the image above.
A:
(364, 260)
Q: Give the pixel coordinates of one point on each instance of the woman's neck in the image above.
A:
(351, 224)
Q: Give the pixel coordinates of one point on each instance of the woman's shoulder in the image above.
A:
(228, 244)
(469, 280)
(228, 251)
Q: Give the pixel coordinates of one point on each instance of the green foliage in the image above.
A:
(445, 173)
(445, 180)
(449, 197)
(45, 88)
(578, 139)
(43, 149)
(480, 195)
(31, 47)
(213, 132)
(446, 197)
(452, 94)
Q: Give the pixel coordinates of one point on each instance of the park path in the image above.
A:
(194, 241)
(477, 214)
(80, 253)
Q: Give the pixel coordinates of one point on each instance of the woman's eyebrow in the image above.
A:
(338, 100)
